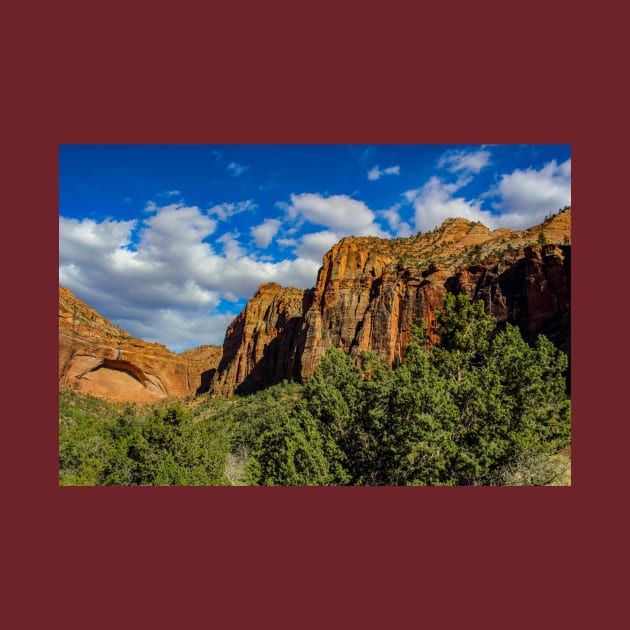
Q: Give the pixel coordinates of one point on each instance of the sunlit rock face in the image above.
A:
(98, 358)
(370, 292)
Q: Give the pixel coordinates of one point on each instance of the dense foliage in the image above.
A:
(164, 448)
(480, 408)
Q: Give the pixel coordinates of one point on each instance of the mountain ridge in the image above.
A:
(370, 292)
(368, 295)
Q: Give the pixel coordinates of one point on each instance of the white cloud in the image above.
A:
(316, 244)
(340, 213)
(236, 169)
(231, 247)
(176, 222)
(224, 211)
(467, 161)
(527, 196)
(287, 242)
(263, 234)
(435, 202)
(173, 238)
(397, 225)
(179, 331)
(524, 198)
(376, 173)
(80, 241)
(142, 277)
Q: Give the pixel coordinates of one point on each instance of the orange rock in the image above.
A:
(262, 345)
(370, 292)
(98, 358)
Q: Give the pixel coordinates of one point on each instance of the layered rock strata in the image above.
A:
(98, 358)
(264, 344)
(370, 292)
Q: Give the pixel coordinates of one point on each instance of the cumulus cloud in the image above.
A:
(231, 247)
(235, 169)
(435, 201)
(525, 197)
(339, 213)
(397, 225)
(287, 242)
(376, 173)
(78, 238)
(176, 223)
(465, 161)
(165, 270)
(316, 244)
(179, 331)
(263, 234)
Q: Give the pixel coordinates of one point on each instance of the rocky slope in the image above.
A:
(98, 358)
(371, 291)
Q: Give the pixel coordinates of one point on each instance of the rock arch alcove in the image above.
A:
(115, 379)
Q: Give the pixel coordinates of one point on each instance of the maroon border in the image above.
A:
(299, 557)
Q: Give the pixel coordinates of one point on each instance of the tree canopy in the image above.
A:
(481, 407)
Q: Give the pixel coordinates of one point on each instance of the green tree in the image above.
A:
(171, 449)
(333, 395)
(83, 450)
(480, 407)
(289, 452)
(493, 401)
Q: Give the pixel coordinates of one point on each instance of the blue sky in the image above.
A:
(169, 241)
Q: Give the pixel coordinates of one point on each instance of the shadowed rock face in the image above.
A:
(100, 359)
(370, 292)
(264, 344)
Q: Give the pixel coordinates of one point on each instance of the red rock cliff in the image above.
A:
(98, 358)
(371, 291)
(263, 344)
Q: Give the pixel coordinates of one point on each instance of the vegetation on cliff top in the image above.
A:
(458, 241)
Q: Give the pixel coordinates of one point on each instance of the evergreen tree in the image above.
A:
(479, 408)
(289, 452)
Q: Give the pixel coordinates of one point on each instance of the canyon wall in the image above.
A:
(264, 344)
(370, 292)
(98, 358)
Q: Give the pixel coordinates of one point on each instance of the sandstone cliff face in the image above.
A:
(371, 291)
(98, 358)
(531, 289)
(263, 345)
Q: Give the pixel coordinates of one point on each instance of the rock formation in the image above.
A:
(264, 344)
(98, 358)
(370, 292)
